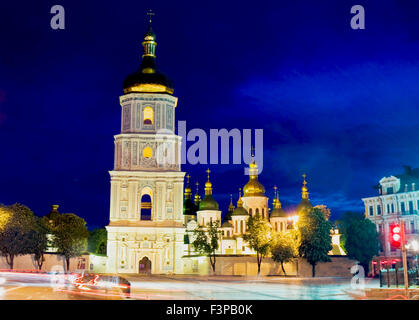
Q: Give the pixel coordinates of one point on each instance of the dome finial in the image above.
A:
(304, 189)
(240, 201)
(208, 184)
(231, 206)
(276, 202)
(149, 45)
(150, 14)
(188, 190)
(197, 197)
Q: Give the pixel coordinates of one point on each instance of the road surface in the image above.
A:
(39, 287)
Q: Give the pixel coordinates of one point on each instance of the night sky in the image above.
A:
(338, 104)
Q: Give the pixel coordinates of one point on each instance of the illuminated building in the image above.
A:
(146, 228)
(397, 202)
(152, 215)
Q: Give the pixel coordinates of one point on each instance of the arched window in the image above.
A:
(241, 227)
(250, 211)
(263, 212)
(235, 227)
(257, 211)
(146, 206)
(148, 115)
(147, 152)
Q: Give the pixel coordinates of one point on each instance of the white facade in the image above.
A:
(147, 165)
(396, 203)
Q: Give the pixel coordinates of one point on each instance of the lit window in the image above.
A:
(147, 152)
(148, 115)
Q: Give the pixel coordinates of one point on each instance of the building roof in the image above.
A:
(148, 78)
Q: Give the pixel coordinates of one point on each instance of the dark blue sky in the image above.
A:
(336, 103)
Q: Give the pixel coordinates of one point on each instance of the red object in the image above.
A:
(395, 236)
(374, 262)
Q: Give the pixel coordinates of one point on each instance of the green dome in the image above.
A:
(189, 208)
(304, 206)
(278, 213)
(208, 203)
(227, 224)
(240, 211)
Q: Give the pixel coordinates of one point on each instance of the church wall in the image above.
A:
(163, 246)
(256, 203)
(247, 266)
(52, 262)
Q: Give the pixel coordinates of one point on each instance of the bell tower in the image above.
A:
(146, 231)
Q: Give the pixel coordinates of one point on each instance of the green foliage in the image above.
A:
(207, 240)
(69, 235)
(314, 237)
(17, 226)
(283, 248)
(359, 239)
(97, 241)
(39, 242)
(258, 236)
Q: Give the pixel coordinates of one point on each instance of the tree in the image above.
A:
(39, 242)
(359, 239)
(325, 210)
(207, 241)
(69, 236)
(258, 236)
(283, 248)
(97, 241)
(17, 224)
(314, 237)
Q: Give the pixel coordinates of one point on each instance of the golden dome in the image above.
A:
(148, 78)
(305, 205)
(277, 211)
(208, 203)
(253, 188)
(188, 191)
(240, 211)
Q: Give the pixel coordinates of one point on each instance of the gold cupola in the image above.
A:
(147, 78)
(208, 203)
(188, 191)
(305, 204)
(253, 188)
(197, 197)
(240, 211)
(277, 206)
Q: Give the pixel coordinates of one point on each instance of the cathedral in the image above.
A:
(152, 215)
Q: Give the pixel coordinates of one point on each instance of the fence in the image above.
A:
(395, 277)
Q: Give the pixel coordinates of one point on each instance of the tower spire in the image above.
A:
(304, 189)
(276, 202)
(188, 190)
(197, 197)
(240, 201)
(231, 206)
(150, 14)
(149, 42)
(208, 184)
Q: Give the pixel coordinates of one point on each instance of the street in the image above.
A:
(39, 287)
